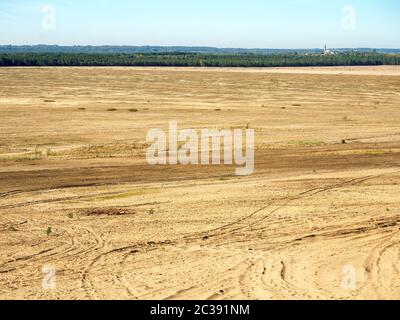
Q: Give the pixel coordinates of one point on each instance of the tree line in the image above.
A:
(197, 60)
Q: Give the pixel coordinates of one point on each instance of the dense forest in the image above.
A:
(197, 59)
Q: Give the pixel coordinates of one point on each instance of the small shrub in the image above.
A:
(133, 110)
(112, 109)
(49, 231)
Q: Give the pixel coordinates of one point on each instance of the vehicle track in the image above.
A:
(212, 236)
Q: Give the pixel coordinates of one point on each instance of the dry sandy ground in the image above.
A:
(318, 219)
(349, 70)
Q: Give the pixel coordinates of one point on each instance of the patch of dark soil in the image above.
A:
(107, 212)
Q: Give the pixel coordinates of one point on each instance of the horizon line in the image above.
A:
(190, 46)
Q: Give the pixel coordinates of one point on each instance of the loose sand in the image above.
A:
(318, 219)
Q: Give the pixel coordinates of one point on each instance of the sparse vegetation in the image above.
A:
(30, 156)
(49, 153)
(307, 143)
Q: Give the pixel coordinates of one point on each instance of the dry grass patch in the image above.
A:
(306, 143)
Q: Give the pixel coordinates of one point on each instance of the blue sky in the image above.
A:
(220, 23)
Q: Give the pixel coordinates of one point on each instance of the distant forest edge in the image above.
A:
(173, 49)
(197, 60)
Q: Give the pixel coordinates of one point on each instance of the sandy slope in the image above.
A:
(314, 208)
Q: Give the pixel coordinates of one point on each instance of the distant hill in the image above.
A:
(159, 49)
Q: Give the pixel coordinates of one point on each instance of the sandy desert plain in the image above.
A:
(319, 218)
